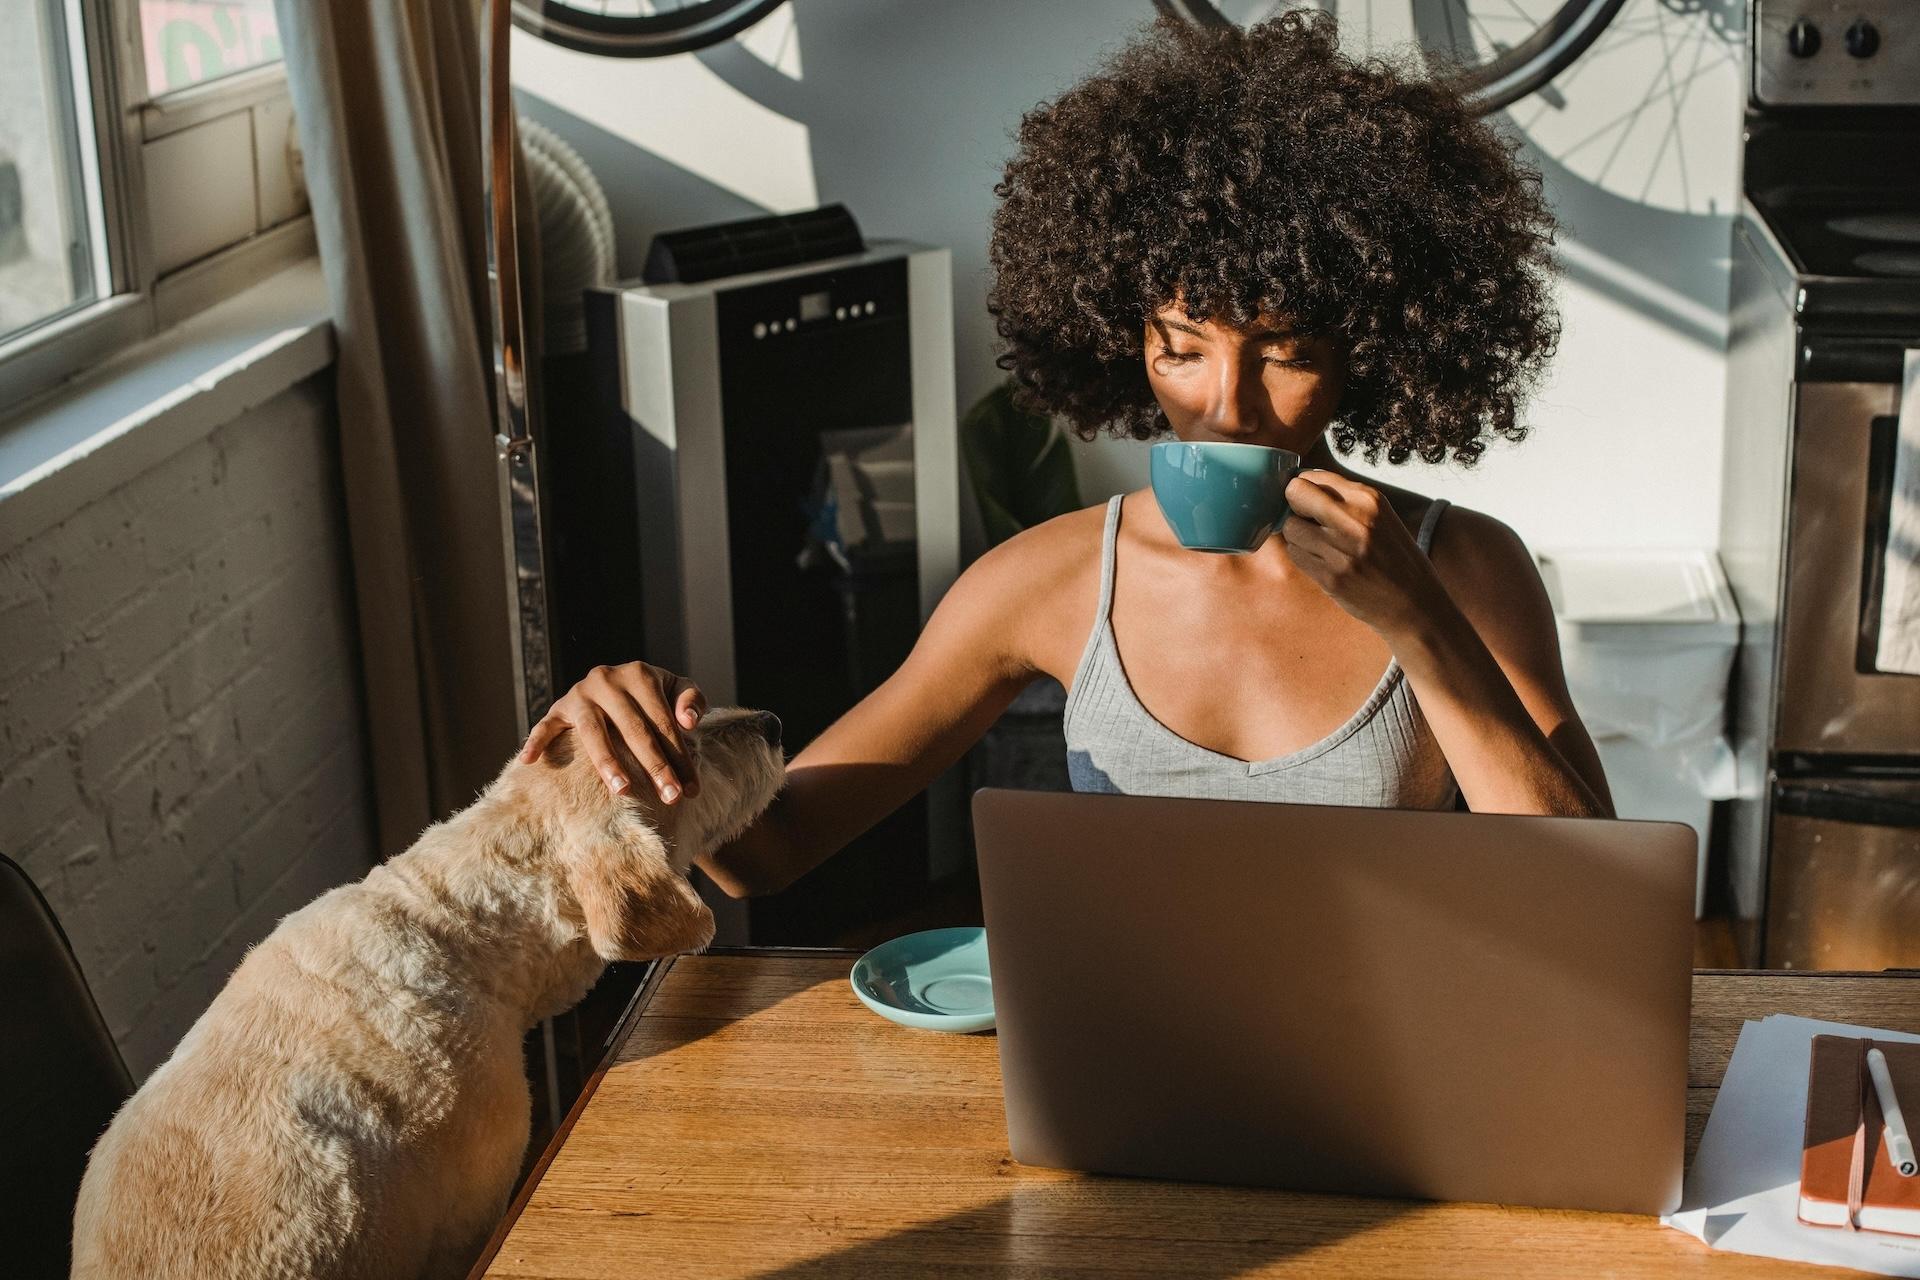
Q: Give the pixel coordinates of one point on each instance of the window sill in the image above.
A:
(64, 451)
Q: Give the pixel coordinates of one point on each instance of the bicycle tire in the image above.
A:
(1525, 68)
(658, 35)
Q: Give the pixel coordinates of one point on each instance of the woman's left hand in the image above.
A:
(1349, 540)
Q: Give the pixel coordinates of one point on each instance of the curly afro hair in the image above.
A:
(1263, 172)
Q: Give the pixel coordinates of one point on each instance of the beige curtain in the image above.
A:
(388, 98)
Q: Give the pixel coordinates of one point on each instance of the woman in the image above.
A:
(1238, 236)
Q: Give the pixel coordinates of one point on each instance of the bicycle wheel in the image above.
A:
(1499, 52)
(638, 28)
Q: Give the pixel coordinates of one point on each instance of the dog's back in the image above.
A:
(353, 1104)
(298, 1128)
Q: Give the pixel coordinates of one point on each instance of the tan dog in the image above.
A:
(353, 1104)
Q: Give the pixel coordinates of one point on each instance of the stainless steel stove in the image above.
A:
(1824, 843)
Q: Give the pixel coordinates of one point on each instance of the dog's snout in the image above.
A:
(769, 726)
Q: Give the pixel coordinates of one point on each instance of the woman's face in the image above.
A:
(1262, 385)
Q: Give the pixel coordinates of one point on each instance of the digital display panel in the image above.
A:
(815, 306)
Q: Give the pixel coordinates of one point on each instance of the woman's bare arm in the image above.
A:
(1486, 668)
(1471, 627)
(1003, 623)
(975, 654)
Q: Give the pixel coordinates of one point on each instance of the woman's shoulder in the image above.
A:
(1474, 542)
(1033, 566)
(1056, 546)
(1036, 590)
(1474, 553)
(1482, 561)
(1492, 578)
(1461, 537)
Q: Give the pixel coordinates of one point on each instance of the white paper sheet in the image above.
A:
(1743, 1190)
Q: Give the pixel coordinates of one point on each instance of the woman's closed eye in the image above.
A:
(1278, 362)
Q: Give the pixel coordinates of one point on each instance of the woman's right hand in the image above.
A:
(648, 707)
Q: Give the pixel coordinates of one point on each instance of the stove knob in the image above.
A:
(1803, 39)
(1863, 39)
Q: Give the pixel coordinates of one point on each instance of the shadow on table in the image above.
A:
(1067, 1227)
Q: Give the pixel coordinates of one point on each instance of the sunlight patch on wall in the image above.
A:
(683, 113)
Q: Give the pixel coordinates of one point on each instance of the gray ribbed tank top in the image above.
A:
(1384, 756)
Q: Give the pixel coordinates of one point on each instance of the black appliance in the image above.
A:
(758, 487)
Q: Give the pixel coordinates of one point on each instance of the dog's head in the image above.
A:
(625, 858)
(741, 765)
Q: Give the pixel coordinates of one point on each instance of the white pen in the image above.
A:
(1899, 1145)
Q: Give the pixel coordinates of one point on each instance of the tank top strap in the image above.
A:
(1108, 540)
(1424, 538)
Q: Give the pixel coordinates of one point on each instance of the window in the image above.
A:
(48, 215)
(188, 42)
(137, 190)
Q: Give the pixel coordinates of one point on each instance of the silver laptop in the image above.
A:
(1439, 1005)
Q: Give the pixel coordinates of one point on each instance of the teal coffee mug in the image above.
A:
(1220, 496)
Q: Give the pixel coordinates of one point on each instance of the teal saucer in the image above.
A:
(936, 981)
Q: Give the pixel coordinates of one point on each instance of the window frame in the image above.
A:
(137, 297)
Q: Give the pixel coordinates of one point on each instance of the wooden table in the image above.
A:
(753, 1119)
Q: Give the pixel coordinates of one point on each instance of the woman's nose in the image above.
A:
(1233, 408)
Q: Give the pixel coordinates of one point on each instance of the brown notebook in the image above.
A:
(1844, 1164)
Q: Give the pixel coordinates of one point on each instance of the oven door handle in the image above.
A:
(1840, 805)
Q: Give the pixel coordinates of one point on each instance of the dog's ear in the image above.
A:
(637, 907)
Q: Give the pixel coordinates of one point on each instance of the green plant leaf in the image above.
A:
(1020, 465)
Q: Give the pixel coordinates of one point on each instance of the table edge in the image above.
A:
(1806, 973)
(649, 983)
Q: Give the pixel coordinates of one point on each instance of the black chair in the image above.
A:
(61, 1079)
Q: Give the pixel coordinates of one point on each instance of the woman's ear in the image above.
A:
(637, 907)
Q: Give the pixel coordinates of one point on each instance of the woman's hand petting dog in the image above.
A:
(649, 709)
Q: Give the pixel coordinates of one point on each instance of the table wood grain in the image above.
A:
(754, 1120)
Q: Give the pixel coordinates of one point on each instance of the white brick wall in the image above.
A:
(181, 735)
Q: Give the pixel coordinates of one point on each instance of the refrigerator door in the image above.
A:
(1844, 882)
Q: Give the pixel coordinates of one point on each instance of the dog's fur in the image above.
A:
(353, 1104)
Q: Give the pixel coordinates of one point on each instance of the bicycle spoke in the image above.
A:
(1491, 42)
(1524, 15)
(1564, 153)
(1679, 153)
